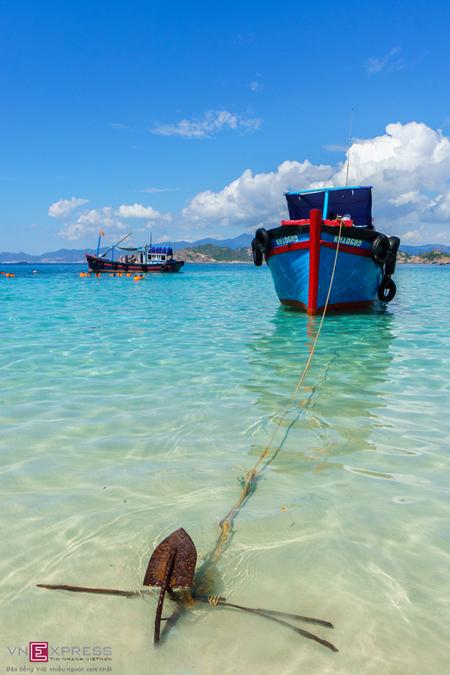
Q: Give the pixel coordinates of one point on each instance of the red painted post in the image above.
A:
(315, 224)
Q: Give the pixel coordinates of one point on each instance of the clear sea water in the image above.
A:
(131, 409)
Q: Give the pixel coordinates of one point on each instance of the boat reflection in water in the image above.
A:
(343, 395)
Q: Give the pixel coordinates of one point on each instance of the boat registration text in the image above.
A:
(348, 241)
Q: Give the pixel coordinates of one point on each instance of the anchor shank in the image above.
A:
(164, 587)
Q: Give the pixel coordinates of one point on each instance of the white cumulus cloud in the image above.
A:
(89, 221)
(210, 124)
(137, 211)
(253, 198)
(64, 207)
(408, 166)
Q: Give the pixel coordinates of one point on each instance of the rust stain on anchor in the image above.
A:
(184, 565)
(172, 565)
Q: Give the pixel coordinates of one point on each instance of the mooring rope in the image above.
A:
(187, 599)
(253, 475)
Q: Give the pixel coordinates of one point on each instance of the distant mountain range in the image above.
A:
(63, 255)
(424, 248)
(74, 255)
(243, 241)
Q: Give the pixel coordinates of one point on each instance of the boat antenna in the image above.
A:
(349, 146)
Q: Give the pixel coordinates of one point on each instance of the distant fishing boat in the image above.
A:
(141, 259)
(300, 253)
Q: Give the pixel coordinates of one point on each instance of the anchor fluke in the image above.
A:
(172, 565)
(184, 565)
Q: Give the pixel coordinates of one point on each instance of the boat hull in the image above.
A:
(101, 265)
(301, 263)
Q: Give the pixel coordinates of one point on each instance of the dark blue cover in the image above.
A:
(357, 201)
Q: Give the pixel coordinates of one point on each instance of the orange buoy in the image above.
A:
(119, 274)
(129, 274)
(138, 277)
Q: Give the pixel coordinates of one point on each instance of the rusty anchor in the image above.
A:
(172, 569)
(171, 566)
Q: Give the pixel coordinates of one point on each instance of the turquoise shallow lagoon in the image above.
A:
(131, 409)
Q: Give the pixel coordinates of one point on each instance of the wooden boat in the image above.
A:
(143, 259)
(300, 253)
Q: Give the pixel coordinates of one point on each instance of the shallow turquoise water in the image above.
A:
(131, 409)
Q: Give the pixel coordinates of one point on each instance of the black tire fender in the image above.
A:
(263, 239)
(394, 243)
(387, 289)
(257, 253)
(380, 249)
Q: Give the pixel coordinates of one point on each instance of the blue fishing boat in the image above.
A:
(301, 252)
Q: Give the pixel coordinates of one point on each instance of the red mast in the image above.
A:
(315, 224)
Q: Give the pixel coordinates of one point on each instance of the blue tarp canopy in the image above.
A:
(355, 200)
(161, 249)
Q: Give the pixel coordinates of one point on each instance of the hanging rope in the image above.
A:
(173, 561)
(268, 454)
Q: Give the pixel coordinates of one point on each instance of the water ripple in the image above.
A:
(130, 410)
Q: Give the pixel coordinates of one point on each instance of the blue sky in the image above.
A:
(152, 105)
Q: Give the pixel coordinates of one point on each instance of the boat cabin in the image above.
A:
(146, 255)
(352, 204)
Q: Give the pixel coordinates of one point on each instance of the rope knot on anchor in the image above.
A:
(213, 600)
